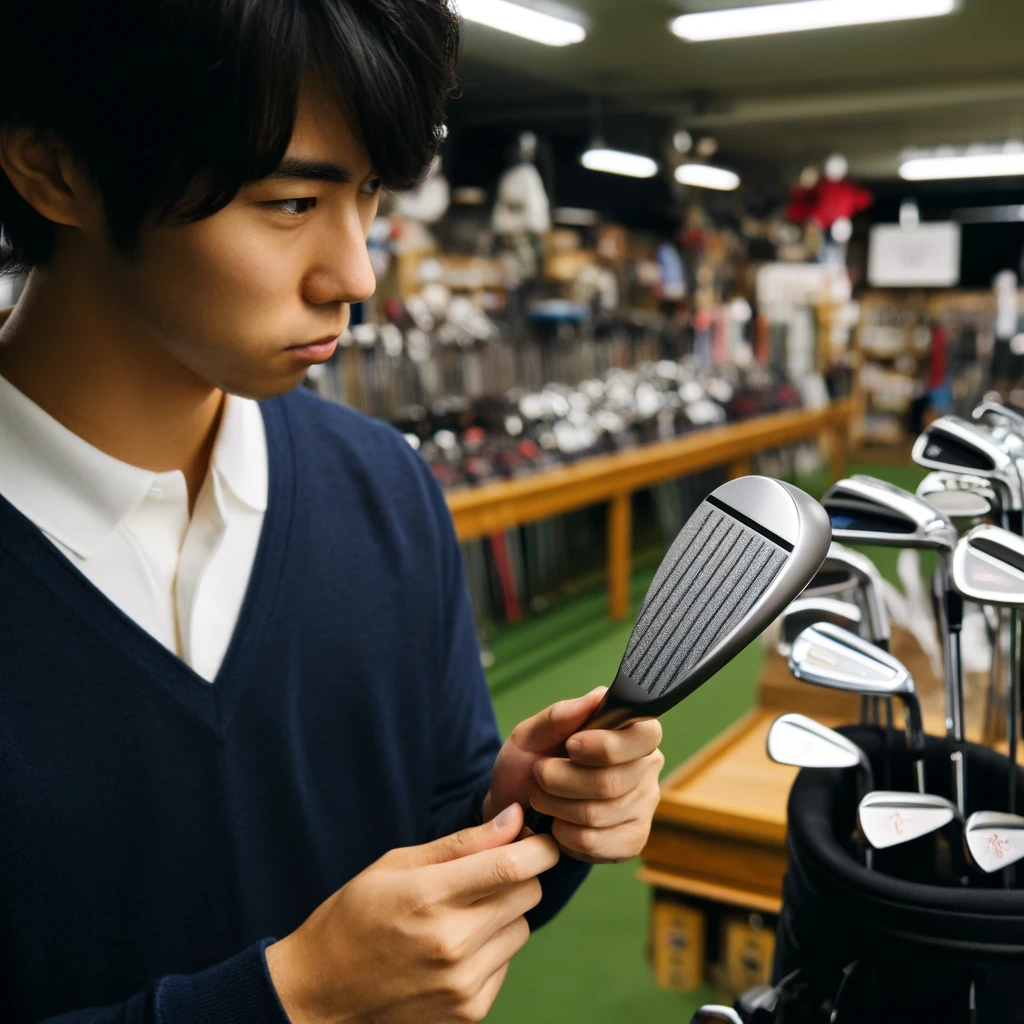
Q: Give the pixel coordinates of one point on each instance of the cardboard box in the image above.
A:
(678, 944)
(748, 947)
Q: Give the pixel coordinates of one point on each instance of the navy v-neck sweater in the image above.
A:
(157, 832)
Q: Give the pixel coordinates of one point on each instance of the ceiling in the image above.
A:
(777, 102)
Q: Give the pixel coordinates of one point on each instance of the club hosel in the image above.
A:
(612, 712)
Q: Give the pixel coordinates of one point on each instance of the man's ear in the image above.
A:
(44, 175)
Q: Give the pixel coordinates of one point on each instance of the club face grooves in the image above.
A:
(703, 594)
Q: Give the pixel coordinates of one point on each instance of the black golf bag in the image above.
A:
(914, 939)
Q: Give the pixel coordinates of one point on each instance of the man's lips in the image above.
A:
(317, 351)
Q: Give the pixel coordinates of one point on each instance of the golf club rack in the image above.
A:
(904, 895)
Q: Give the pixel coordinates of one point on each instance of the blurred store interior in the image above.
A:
(650, 259)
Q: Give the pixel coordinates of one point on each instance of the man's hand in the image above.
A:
(425, 933)
(603, 799)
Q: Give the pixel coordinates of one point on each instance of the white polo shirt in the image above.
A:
(128, 530)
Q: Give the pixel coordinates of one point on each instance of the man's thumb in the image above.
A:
(499, 831)
(549, 729)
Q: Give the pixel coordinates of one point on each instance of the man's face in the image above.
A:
(234, 297)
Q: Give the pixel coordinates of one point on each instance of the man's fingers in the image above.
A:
(478, 875)
(551, 727)
(615, 746)
(560, 777)
(497, 832)
(588, 813)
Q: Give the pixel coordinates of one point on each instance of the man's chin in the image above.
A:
(259, 390)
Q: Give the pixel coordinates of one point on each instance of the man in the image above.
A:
(249, 770)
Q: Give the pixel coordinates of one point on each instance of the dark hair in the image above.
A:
(171, 106)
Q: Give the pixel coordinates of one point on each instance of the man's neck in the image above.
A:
(130, 400)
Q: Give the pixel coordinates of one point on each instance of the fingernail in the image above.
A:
(502, 820)
(574, 748)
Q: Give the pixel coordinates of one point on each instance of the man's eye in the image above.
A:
(371, 188)
(293, 207)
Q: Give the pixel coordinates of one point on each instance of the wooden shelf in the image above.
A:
(613, 478)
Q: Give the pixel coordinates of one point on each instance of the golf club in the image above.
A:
(988, 567)
(964, 497)
(959, 446)
(807, 611)
(747, 551)
(960, 495)
(804, 743)
(870, 511)
(716, 1015)
(842, 569)
(826, 655)
(891, 819)
(996, 412)
(994, 840)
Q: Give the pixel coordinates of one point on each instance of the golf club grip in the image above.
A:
(607, 715)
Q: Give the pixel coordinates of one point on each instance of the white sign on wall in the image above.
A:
(927, 256)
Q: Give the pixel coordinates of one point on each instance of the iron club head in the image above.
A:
(994, 840)
(804, 743)
(955, 444)
(988, 567)
(807, 611)
(844, 569)
(829, 656)
(864, 510)
(716, 1015)
(890, 819)
(960, 495)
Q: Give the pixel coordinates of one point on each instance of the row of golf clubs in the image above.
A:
(978, 474)
(991, 840)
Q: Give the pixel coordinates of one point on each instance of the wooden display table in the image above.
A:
(614, 479)
(720, 830)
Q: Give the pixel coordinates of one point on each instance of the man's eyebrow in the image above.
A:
(311, 170)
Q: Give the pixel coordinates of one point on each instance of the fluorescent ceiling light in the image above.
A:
(706, 176)
(614, 161)
(802, 15)
(969, 165)
(522, 21)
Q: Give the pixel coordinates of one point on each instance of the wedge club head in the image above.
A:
(890, 819)
(994, 840)
(804, 743)
(747, 551)
(807, 611)
(829, 656)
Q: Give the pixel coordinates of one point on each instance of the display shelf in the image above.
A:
(614, 478)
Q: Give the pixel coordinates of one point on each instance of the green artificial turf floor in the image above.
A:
(589, 965)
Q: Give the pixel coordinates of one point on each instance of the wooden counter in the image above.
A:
(614, 478)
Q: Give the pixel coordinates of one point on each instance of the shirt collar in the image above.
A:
(79, 495)
(240, 455)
